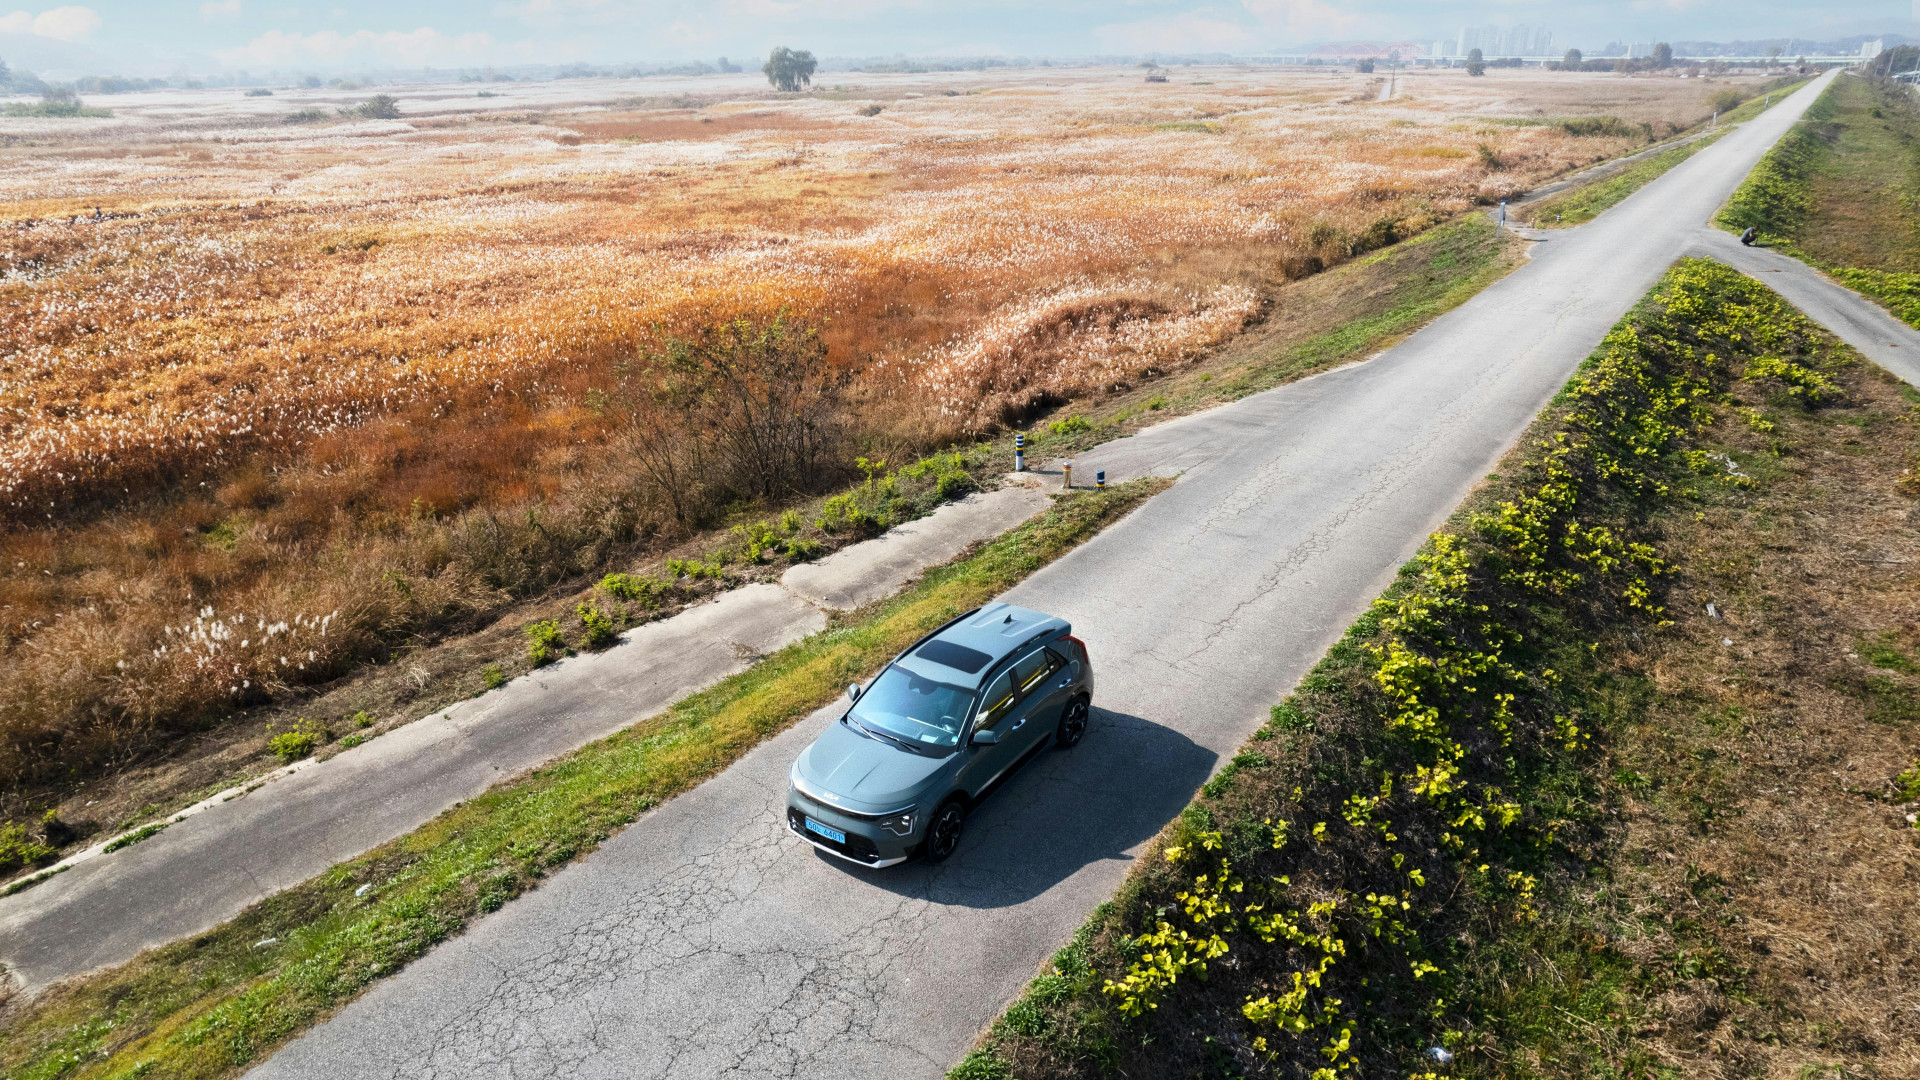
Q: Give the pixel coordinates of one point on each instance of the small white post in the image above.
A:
(1019, 451)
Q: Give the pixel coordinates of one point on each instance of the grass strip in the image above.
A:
(212, 1005)
(1433, 781)
(1897, 291)
(1364, 305)
(1837, 193)
(1464, 259)
(1589, 201)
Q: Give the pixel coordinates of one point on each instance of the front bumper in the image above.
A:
(867, 844)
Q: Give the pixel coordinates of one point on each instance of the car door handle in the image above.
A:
(1017, 724)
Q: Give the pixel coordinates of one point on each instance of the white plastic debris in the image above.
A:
(1440, 1055)
(1727, 641)
(362, 890)
(1727, 460)
(1712, 612)
(264, 942)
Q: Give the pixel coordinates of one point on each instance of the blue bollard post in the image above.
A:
(1019, 451)
(1100, 479)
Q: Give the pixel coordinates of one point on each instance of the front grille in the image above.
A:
(857, 846)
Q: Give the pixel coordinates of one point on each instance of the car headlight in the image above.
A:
(900, 824)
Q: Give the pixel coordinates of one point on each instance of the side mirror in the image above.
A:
(853, 691)
(986, 738)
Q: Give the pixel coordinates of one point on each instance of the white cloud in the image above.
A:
(1180, 33)
(409, 48)
(60, 24)
(1304, 18)
(220, 10)
(546, 12)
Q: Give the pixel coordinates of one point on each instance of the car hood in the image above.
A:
(863, 774)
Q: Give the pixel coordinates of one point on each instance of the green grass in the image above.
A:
(1395, 893)
(1464, 259)
(1838, 192)
(1897, 291)
(55, 109)
(1191, 127)
(212, 1005)
(1589, 201)
(144, 832)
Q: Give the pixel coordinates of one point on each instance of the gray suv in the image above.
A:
(933, 734)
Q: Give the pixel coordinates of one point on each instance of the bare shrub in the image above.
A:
(746, 406)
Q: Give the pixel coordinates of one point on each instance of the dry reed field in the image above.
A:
(277, 395)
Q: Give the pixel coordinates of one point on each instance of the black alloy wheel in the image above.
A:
(944, 834)
(1073, 723)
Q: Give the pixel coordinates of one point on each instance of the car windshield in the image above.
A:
(913, 708)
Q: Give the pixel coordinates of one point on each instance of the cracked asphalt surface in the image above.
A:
(705, 941)
(233, 852)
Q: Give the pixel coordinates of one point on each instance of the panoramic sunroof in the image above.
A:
(957, 657)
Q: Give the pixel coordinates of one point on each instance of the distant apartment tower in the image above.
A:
(1874, 48)
(1519, 40)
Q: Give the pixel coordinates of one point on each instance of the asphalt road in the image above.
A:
(236, 848)
(1859, 322)
(705, 941)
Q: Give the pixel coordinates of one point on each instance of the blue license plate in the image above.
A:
(834, 835)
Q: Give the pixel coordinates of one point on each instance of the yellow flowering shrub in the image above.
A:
(1458, 689)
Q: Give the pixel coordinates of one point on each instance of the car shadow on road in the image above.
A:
(1062, 811)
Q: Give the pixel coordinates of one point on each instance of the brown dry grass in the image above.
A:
(363, 368)
(1773, 848)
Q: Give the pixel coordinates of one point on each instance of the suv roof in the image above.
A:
(965, 651)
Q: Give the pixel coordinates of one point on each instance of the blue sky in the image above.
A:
(336, 34)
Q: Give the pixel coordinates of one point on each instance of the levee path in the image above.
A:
(704, 941)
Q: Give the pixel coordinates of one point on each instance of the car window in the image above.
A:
(914, 708)
(1031, 670)
(997, 702)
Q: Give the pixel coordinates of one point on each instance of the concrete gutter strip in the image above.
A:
(1608, 168)
(244, 844)
(856, 576)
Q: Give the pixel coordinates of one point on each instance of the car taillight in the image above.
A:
(1082, 646)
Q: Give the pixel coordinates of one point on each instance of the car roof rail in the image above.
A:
(935, 632)
(1006, 660)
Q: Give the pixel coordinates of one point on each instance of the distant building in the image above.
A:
(1493, 41)
(1871, 49)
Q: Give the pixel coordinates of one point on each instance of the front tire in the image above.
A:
(943, 833)
(1073, 724)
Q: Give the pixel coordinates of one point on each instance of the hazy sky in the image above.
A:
(262, 34)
